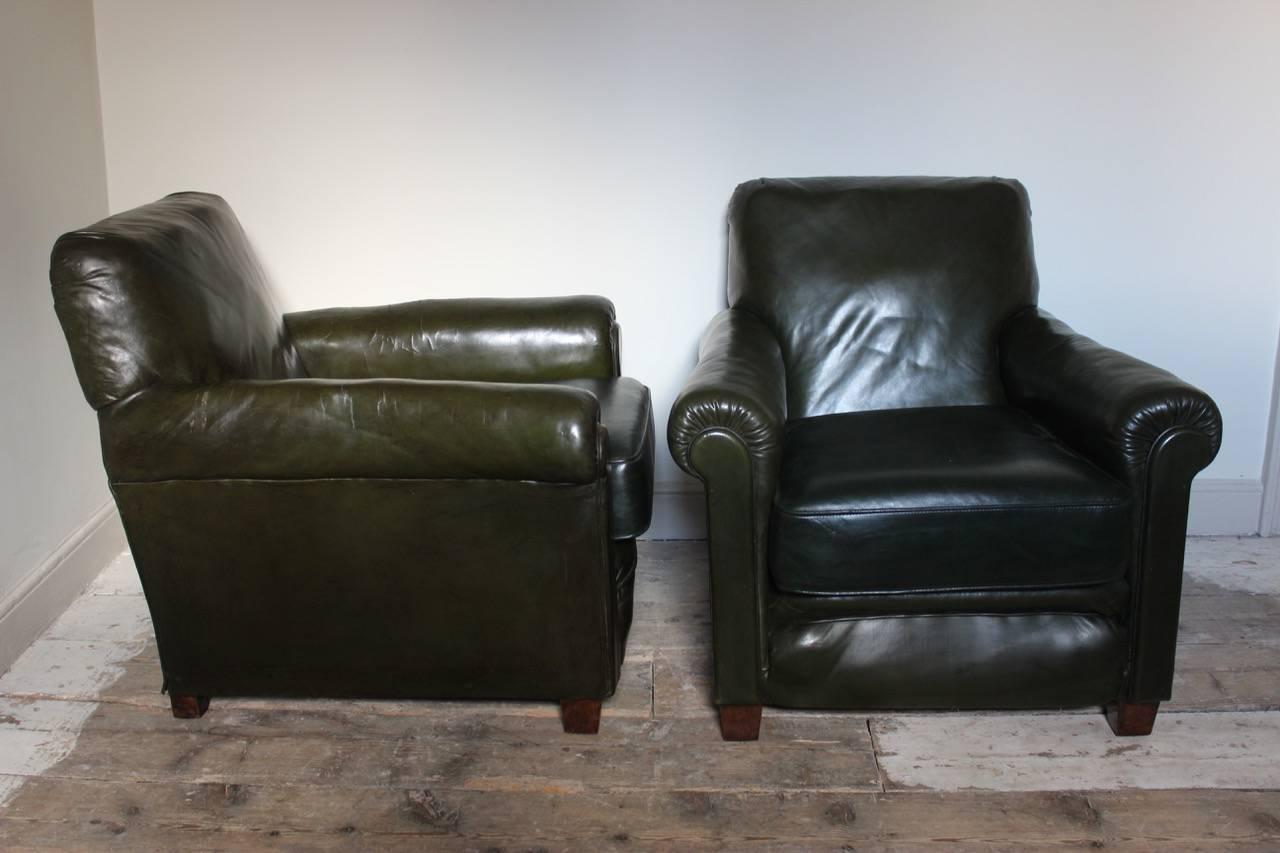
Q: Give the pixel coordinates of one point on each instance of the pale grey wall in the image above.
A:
(52, 179)
(396, 149)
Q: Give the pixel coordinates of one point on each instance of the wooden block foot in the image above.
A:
(580, 716)
(1132, 719)
(188, 707)
(740, 722)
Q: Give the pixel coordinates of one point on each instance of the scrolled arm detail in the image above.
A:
(1111, 406)
(738, 386)
(726, 429)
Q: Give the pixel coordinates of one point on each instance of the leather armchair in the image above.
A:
(923, 491)
(431, 500)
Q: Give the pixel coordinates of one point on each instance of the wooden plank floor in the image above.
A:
(90, 757)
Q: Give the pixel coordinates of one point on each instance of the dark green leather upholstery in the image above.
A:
(627, 416)
(947, 660)
(489, 340)
(939, 499)
(436, 499)
(570, 342)
(883, 293)
(167, 294)
(922, 491)
(298, 429)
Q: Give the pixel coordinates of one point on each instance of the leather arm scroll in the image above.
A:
(1111, 406)
(738, 386)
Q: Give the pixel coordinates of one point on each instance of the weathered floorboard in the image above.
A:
(472, 751)
(95, 759)
(139, 815)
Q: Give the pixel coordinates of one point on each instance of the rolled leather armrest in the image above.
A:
(310, 429)
(1111, 406)
(488, 340)
(726, 429)
(738, 386)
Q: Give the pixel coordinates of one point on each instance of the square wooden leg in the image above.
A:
(740, 722)
(1132, 719)
(580, 716)
(188, 707)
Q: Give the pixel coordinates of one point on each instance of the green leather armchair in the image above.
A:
(431, 500)
(923, 491)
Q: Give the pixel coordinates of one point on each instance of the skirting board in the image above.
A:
(1225, 508)
(679, 512)
(42, 596)
(1218, 508)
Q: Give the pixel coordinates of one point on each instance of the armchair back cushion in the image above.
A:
(883, 293)
(169, 293)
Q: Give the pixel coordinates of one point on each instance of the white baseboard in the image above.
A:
(679, 512)
(42, 596)
(1225, 508)
(1218, 508)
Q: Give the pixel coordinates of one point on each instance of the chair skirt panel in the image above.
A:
(947, 661)
(382, 588)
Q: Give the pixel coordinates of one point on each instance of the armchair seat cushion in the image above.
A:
(941, 499)
(627, 416)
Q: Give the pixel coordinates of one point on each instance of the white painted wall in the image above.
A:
(385, 151)
(52, 179)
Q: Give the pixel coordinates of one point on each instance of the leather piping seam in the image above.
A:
(884, 593)
(949, 509)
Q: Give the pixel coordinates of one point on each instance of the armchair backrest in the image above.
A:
(167, 293)
(883, 292)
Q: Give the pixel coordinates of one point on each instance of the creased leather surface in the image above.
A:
(1110, 405)
(538, 339)
(941, 498)
(167, 293)
(307, 428)
(971, 661)
(624, 558)
(885, 295)
(1107, 599)
(883, 292)
(627, 416)
(386, 536)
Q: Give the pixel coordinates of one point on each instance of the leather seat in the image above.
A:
(941, 499)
